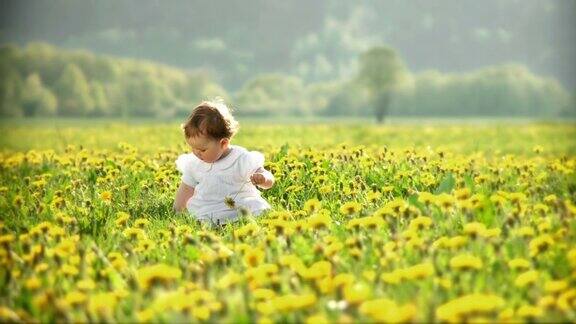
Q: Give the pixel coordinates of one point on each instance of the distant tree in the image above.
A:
(381, 71)
(504, 90)
(349, 100)
(146, 96)
(73, 92)
(272, 94)
(101, 104)
(10, 91)
(319, 95)
(36, 99)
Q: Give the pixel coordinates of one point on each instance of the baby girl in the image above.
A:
(218, 178)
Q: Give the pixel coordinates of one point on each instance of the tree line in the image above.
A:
(42, 80)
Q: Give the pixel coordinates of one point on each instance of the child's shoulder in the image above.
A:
(186, 160)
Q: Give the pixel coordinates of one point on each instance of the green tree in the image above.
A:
(381, 72)
(101, 104)
(73, 92)
(146, 96)
(272, 93)
(10, 91)
(36, 99)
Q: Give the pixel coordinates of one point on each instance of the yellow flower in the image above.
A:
(254, 256)
(69, 270)
(317, 270)
(230, 279)
(122, 218)
(102, 304)
(397, 206)
(526, 278)
(133, 233)
(475, 229)
(525, 231)
(33, 283)
(141, 223)
(387, 311)
(419, 271)
(455, 310)
(555, 286)
(357, 293)
(529, 311)
(540, 244)
(420, 222)
(465, 262)
(519, 263)
(444, 201)
(106, 196)
(159, 273)
(317, 319)
(293, 302)
(74, 298)
(319, 220)
(312, 205)
(462, 194)
(7, 315)
(86, 285)
(350, 208)
(373, 196)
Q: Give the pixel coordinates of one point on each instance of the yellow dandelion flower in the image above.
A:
(122, 218)
(316, 319)
(253, 256)
(293, 302)
(387, 311)
(555, 286)
(102, 304)
(419, 271)
(526, 278)
(106, 196)
(318, 221)
(529, 311)
(74, 298)
(462, 194)
(228, 280)
(32, 283)
(519, 263)
(350, 208)
(540, 244)
(8, 315)
(475, 229)
(86, 285)
(465, 262)
(373, 196)
(141, 223)
(159, 273)
(357, 293)
(455, 310)
(420, 223)
(312, 205)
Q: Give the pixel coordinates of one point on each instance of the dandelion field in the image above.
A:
(394, 223)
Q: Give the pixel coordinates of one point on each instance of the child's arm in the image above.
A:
(262, 178)
(182, 195)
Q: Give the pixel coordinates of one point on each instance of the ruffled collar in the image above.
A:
(223, 163)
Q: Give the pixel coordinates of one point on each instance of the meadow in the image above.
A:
(402, 222)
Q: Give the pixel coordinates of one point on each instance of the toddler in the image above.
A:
(219, 178)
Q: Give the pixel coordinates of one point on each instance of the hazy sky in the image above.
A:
(317, 40)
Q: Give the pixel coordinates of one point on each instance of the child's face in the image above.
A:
(207, 149)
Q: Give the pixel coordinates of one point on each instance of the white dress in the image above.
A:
(227, 177)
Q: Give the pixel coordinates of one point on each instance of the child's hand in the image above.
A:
(257, 179)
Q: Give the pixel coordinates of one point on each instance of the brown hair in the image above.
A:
(212, 119)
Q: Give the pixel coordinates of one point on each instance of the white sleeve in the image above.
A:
(184, 165)
(249, 163)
